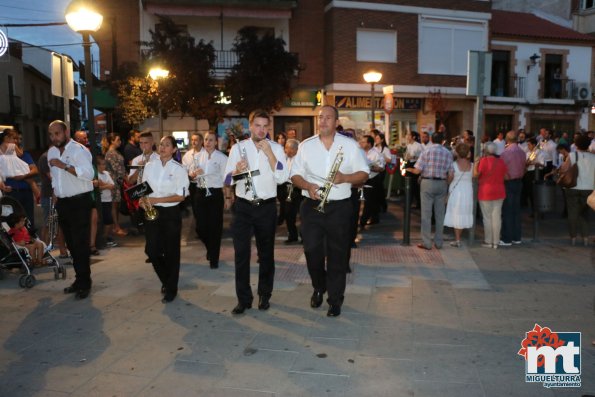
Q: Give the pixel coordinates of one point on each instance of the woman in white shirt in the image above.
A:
(169, 182)
(208, 200)
(576, 197)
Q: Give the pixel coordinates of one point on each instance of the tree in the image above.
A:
(190, 87)
(262, 77)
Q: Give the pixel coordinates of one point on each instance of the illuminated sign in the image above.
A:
(365, 102)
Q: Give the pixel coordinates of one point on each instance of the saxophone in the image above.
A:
(325, 190)
(151, 212)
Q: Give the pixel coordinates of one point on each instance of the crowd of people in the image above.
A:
(319, 184)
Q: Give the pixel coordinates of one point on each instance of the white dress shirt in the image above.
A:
(141, 157)
(313, 163)
(266, 182)
(500, 146)
(549, 151)
(413, 151)
(166, 180)
(213, 166)
(374, 158)
(106, 194)
(188, 158)
(64, 183)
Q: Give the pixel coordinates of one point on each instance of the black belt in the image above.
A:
(21, 189)
(433, 179)
(257, 202)
(329, 201)
(210, 188)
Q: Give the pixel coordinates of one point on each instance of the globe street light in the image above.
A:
(158, 73)
(372, 77)
(82, 17)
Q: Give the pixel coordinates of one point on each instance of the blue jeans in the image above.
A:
(511, 211)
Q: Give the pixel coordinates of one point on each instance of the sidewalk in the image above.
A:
(414, 323)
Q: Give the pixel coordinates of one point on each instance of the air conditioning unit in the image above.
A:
(583, 92)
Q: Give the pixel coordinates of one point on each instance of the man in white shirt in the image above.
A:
(548, 148)
(294, 196)
(72, 174)
(189, 162)
(500, 143)
(375, 160)
(326, 219)
(258, 165)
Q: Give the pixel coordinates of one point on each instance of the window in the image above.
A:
(500, 73)
(444, 43)
(376, 45)
(555, 85)
(588, 4)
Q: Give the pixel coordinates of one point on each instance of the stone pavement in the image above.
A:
(414, 323)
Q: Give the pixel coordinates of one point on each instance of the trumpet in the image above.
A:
(151, 212)
(289, 192)
(52, 225)
(249, 183)
(325, 189)
(202, 183)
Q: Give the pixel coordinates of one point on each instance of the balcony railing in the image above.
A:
(559, 89)
(512, 88)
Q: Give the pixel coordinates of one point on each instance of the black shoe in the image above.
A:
(82, 294)
(316, 299)
(214, 265)
(241, 307)
(148, 260)
(348, 269)
(291, 241)
(373, 222)
(168, 298)
(263, 302)
(333, 311)
(208, 257)
(353, 245)
(71, 290)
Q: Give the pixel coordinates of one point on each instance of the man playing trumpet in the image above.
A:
(326, 233)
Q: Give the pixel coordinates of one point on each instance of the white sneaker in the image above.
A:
(503, 244)
(486, 245)
(517, 242)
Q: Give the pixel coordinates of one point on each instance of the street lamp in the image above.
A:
(82, 17)
(158, 73)
(372, 77)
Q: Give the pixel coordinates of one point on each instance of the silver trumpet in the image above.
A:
(361, 192)
(52, 225)
(325, 189)
(249, 183)
(202, 183)
(289, 192)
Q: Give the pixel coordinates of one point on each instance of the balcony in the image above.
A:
(511, 90)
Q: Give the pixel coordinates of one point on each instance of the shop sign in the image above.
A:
(365, 102)
(302, 98)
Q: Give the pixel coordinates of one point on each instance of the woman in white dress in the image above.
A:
(459, 208)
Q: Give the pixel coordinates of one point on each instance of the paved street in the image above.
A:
(414, 323)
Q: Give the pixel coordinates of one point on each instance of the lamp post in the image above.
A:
(83, 17)
(158, 73)
(372, 77)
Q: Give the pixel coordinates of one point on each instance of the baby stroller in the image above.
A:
(13, 256)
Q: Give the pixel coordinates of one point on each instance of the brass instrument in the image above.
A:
(151, 212)
(200, 179)
(325, 190)
(289, 192)
(141, 169)
(249, 183)
(52, 225)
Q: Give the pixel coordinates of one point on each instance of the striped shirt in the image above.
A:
(435, 162)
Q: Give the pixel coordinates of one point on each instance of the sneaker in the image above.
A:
(516, 242)
(486, 245)
(455, 244)
(503, 244)
(111, 244)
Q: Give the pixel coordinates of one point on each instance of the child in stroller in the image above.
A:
(15, 255)
(20, 235)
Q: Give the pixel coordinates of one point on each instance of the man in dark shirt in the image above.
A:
(132, 148)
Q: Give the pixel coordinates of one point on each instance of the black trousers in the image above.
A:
(162, 246)
(372, 203)
(382, 192)
(354, 217)
(261, 222)
(74, 217)
(326, 246)
(291, 210)
(192, 189)
(282, 193)
(209, 221)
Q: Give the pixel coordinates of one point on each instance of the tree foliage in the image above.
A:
(263, 75)
(134, 99)
(190, 87)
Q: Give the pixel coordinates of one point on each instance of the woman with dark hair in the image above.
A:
(115, 166)
(169, 183)
(491, 171)
(576, 197)
(381, 146)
